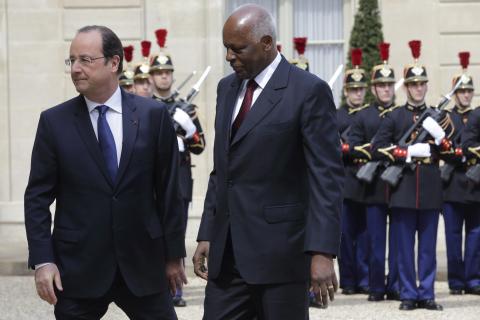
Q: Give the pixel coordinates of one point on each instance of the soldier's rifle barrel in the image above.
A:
(335, 76)
(176, 92)
(196, 87)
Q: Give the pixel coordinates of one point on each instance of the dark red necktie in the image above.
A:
(246, 105)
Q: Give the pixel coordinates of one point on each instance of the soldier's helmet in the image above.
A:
(162, 60)
(415, 72)
(301, 61)
(143, 68)
(383, 73)
(126, 77)
(466, 79)
(355, 77)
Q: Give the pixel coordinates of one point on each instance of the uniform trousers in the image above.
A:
(353, 260)
(408, 223)
(463, 270)
(377, 233)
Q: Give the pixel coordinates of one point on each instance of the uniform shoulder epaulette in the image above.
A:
(352, 111)
(384, 112)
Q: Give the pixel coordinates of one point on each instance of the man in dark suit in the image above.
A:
(110, 160)
(270, 227)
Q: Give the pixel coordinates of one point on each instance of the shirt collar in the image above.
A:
(114, 102)
(421, 107)
(263, 77)
(463, 110)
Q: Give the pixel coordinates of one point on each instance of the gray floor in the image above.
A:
(19, 302)
(18, 298)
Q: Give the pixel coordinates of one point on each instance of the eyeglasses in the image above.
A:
(84, 60)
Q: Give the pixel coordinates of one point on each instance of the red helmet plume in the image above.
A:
(384, 48)
(464, 59)
(415, 46)
(128, 53)
(300, 44)
(356, 57)
(161, 35)
(146, 45)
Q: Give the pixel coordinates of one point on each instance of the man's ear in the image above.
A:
(267, 43)
(115, 63)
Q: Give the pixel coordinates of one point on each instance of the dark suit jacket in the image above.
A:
(133, 224)
(278, 185)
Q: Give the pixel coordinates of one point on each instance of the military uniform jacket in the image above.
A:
(364, 127)
(454, 190)
(353, 189)
(471, 149)
(420, 186)
(195, 145)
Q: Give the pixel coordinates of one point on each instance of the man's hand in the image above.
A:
(201, 254)
(323, 278)
(175, 274)
(45, 277)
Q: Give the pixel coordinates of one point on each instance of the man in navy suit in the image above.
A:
(270, 227)
(110, 160)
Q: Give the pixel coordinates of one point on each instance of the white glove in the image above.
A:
(181, 145)
(434, 129)
(184, 120)
(419, 150)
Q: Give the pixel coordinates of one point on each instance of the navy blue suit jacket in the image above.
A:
(277, 186)
(132, 224)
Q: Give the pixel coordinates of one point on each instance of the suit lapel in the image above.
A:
(130, 125)
(268, 98)
(230, 102)
(85, 130)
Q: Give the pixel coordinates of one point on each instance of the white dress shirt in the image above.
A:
(261, 79)
(114, 118)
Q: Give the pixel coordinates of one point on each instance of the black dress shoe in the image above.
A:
(456, 292)
(408, 305)
(375, 297)
(393, 295)
(429, 305)
(179, 302)
(473, 290)
(348, 290)
(362, 290)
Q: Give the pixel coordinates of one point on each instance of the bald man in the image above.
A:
(270, 226)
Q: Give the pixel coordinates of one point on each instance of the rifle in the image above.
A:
(186, 103)
(393, 173)
(176, 92)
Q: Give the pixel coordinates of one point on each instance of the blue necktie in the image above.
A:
(107, 143)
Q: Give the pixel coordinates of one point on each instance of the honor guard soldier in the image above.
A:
(189, 131)
(463, 269)
(364, 127)
(126, 77)
(142, 80)
(416, 199)
(300, 43)
(353, 259)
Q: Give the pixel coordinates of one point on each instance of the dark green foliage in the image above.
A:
(366, 34)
